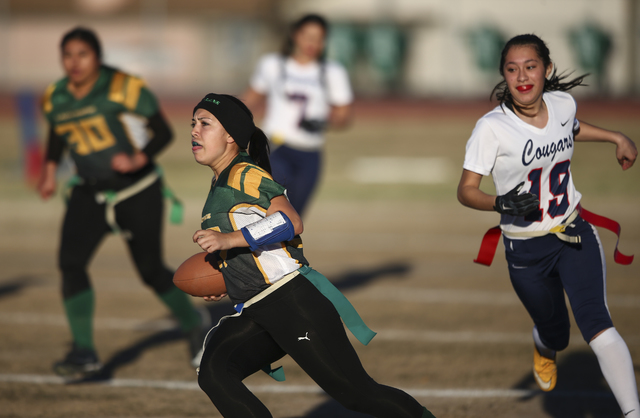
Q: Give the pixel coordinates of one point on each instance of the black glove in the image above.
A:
(516, 204)
(313, 125)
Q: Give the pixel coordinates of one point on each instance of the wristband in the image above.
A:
(270, 230)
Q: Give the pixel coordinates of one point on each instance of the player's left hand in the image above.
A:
(124, 163)
(513, 203)
(214, 298)
(626, 152)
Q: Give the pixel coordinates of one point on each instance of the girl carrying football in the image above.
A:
(284, 306)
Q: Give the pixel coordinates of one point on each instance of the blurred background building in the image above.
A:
(413, 48)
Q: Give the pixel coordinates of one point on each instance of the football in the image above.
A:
(199, 276)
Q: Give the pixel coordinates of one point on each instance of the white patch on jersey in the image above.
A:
(136, 128)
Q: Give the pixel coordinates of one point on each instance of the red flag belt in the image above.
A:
(492, 236)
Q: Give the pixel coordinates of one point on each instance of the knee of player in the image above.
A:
(212, 379)
(359, 398)
(361, 404)
(204, 379)
(555, 336)
(564, 343)
(559, 341)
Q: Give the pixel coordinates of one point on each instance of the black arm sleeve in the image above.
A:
(162, 135)
(55, 146)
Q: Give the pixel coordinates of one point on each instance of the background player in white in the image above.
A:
(526, 144)
(304, 95)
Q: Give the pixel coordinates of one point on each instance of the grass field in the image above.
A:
(450, 332)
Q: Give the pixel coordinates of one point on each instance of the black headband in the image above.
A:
(231, 113)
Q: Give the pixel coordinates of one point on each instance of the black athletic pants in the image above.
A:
(85, 226)
(296, 320)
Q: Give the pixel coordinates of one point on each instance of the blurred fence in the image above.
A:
(417, 48)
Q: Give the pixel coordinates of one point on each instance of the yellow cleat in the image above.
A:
(544, 370)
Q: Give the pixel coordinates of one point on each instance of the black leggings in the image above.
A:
(296, 320)
(85, 226)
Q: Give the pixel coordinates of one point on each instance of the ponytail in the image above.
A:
(259, 150)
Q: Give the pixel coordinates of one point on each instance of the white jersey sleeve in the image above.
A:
(338, 85)
(482, 149)
(265, 74)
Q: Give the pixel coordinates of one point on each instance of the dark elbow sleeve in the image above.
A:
(55, 147)
(161, 135)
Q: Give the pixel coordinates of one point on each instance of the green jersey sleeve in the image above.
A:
(255, 182)
(132, 93)
(147, 104)
(269, 188)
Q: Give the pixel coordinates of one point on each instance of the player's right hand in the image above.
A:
(516, 204)
(46, 185)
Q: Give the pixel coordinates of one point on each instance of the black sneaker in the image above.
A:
(196, 336)
(79, 362)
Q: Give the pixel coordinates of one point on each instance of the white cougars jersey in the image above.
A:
(513, 151)
(295, 92)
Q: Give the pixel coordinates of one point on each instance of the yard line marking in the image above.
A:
(476, 337)
(415, 335)
(301, 389)
(475, 297)
(31, 318)
(454, 336)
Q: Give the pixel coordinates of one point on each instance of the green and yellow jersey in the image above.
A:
(110, 119)
(240, 196)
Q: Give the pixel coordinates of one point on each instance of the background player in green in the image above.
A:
(284, 306)
(102, 115)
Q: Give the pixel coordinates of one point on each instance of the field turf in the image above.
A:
(450, 332)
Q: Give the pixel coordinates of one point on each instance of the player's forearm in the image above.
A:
(55, 147)
(340, 116)
(591, 133)
(162, 135)
(475, 198)
(254, 101)
(49, 169)
(234, 239)
(47, 181)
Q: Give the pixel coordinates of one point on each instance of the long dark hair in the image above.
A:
(258, 147)
(287, 48)
(85, 35)
(554, 83)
